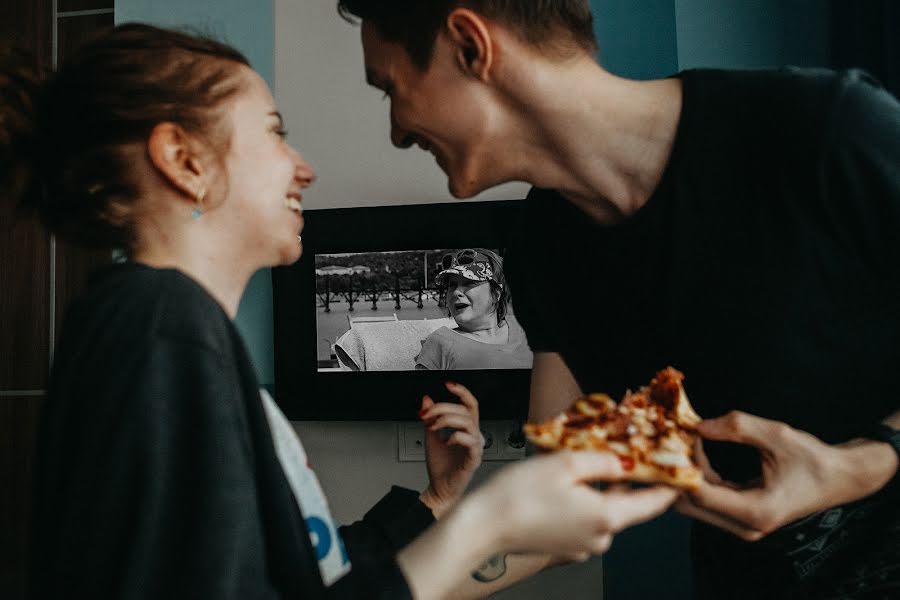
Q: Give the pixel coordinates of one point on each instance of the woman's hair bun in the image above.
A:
(64, 138)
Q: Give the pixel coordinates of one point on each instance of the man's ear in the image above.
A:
(473, 46)
(175, 156)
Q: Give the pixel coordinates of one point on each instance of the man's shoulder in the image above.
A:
(759, 84)
(772, 116)
(767, 101)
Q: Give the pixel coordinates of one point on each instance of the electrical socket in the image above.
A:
(491, 449)
(410, 442)
(508, 443)
(500, 441)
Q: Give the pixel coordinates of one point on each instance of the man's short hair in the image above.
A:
(561, 27)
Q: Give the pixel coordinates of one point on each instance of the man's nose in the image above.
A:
(400, 137)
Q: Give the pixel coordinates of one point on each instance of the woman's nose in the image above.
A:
(304, 173)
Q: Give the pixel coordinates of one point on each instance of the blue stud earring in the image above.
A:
(198, 212)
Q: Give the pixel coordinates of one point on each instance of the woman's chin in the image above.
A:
(462, 323)
(290, 252)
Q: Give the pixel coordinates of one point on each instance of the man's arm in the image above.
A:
(553, 387)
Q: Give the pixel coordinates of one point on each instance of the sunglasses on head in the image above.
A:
(465, 257)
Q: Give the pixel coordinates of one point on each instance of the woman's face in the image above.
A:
(471, 303)
(265, 177)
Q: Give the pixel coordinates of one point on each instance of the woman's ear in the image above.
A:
(471, 37)
(175, 156)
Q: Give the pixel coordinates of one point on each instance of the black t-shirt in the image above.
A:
(766, 266)
(156, 473)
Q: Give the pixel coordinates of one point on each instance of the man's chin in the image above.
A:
(462, 191)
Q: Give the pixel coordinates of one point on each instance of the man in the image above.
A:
(740, 226)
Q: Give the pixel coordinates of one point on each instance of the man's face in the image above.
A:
(439, 109)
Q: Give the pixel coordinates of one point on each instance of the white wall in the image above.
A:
(340, 124)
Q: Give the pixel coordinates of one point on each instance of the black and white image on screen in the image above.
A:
(401, 310)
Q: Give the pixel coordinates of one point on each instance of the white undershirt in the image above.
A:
(330, 552)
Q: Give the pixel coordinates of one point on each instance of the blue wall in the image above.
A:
(637, 39)
(247, 25)
(741, 34)
(655, 38)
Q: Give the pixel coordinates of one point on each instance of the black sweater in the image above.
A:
(156, 475)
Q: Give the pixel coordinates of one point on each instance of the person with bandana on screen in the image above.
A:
(478, 298)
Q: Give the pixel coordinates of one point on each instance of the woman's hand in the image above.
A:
(546, 503)
(801, 475)
(451, 460)
(543, 504)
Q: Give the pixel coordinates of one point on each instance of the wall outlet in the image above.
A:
(503, 440)
(491, 447)
(411, 442)
(508, 440)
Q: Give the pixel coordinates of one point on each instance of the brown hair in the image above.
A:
(558, 26)
(62, 138)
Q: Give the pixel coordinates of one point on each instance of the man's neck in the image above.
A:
(603, 142)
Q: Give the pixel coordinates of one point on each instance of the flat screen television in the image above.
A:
(353, 315)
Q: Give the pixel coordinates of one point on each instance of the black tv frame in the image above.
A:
(303, 393)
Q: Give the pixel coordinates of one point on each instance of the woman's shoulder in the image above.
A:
(442, 337)
(142, 301)
(442, 332)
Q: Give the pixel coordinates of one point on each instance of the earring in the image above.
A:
(198, 210)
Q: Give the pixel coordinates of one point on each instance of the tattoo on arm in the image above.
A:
(492, 570)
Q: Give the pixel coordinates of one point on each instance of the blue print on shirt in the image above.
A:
(320, 535)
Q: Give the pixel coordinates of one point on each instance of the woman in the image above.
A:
(162, 472)
(477, 297)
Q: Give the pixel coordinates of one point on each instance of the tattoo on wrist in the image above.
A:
(493, 569)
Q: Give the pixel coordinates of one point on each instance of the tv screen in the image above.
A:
(401, 310)
(388, 303)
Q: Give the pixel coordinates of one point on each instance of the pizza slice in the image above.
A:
(652, 431)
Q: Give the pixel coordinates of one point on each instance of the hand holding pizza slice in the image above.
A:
(651, 431)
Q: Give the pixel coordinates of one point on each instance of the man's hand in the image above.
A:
(801, 475)
(451, 459)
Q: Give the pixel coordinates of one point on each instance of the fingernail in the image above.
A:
(422, 412)
(451, 384)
